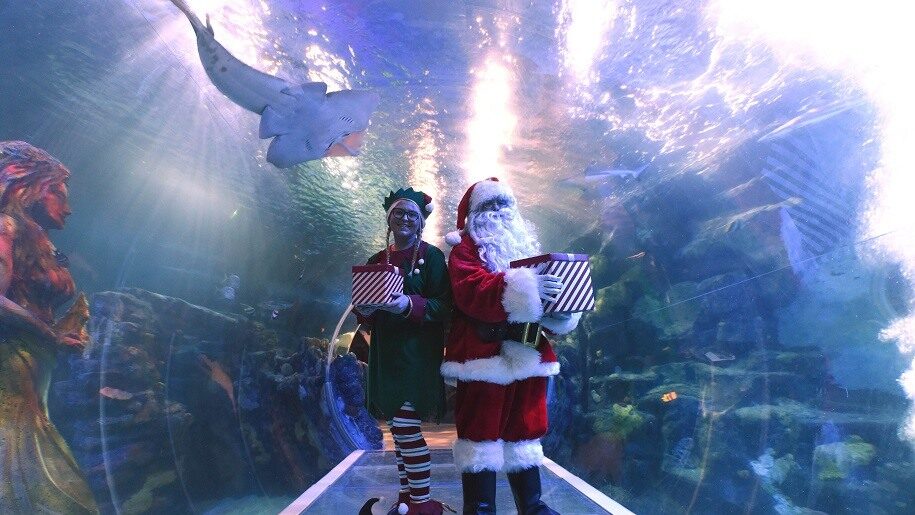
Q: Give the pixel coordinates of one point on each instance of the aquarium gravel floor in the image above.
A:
(366, 474)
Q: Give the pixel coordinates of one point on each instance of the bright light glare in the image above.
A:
(239, 27)
(869, 43)
(326, 67)
(493, 121)
(425, 162)
(583, 26)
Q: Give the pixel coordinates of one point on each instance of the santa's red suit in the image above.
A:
(500, 410)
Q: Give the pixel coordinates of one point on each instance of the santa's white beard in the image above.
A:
(502, 236)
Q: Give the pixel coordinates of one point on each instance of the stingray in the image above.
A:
(305, 121)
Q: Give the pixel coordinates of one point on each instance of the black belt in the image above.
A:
(524, 333)
(497, 331)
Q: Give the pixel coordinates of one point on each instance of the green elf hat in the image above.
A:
(423, 202)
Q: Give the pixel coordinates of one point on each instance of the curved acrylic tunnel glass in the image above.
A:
(737, 173)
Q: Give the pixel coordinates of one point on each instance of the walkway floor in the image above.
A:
(366, 474)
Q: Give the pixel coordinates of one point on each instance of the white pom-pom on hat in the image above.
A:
(453, 238)
(429, 208)
(402, 508)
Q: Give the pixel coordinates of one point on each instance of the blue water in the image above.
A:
(750, 249)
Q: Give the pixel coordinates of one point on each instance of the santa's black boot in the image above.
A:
(526, 490)
(479, 492)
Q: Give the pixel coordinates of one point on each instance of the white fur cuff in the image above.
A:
(522, 455)
(489, 370)
(470, 456)
(560, 326)
(521, 298)
(515, 362)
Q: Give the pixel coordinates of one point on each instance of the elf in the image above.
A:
(404, 385)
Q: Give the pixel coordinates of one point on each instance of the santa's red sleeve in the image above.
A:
(492, 296)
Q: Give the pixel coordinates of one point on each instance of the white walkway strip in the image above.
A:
(589, 491)
(306, 499)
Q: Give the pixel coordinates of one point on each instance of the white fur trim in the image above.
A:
(488, 190)
(521, 298)
(559, 326)
(522, 455)
(470, 456)
(524, 361)
(515, 362)
(453, 238)
(489, 370)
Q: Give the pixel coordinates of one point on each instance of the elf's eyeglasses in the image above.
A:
(403, 214)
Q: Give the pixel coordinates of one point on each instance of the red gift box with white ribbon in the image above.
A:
(575, 273)
(374, 284)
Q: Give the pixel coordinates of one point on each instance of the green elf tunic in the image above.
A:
(406, 350)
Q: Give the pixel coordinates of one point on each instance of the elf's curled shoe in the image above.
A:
(367, 507)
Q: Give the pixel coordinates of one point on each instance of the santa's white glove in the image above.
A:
(399, 304)
(549, 286)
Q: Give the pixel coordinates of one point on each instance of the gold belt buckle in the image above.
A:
(527, 329)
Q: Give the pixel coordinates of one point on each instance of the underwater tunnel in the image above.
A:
(721, 187)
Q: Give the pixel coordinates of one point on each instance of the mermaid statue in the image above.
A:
(37, 471)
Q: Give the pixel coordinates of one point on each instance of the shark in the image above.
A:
(305, 121)
(596, 180)
(810, 118)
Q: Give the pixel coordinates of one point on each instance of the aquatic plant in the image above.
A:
(836, 460)
(619, 421)
(142, 501)
(671, 320)
(773, 470)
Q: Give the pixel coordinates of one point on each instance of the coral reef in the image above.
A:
(175, 407)
(714, 377)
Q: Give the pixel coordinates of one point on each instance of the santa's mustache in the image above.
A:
(501, 237)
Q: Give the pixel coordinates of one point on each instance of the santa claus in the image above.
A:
(497, 352)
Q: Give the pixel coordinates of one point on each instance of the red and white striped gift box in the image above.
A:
(575, 273)
(374, 284)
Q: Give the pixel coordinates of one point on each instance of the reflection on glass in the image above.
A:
(492, 123)
(425, 163)
(739, 173)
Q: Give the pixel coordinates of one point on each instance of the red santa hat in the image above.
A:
(477, 194)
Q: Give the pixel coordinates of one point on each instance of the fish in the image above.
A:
(598, 180)
(219, 376)
(669, 396)
(636, 255)
(305, 121)
(114, 393)
(596, 171)
(810, 118)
